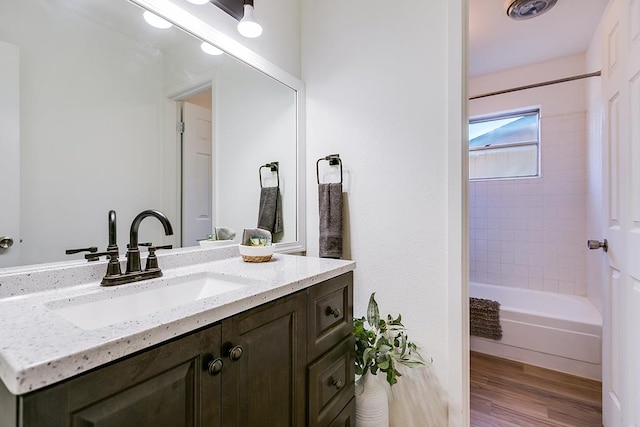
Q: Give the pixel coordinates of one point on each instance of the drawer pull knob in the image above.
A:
(215, 367)
(337, 383)
(235, 353)
(335, 312)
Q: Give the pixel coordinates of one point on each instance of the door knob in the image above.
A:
(6, 242)
(595, 244)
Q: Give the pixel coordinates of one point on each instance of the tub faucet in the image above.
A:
(133, 254)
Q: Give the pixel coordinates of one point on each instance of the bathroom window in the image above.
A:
(505, 146)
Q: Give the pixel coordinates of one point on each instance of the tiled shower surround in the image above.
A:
(531, 232)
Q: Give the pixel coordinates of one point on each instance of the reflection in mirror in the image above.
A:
(101, 97)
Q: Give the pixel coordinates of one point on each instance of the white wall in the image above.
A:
(378, 87)
(82, 97)
(531, 232)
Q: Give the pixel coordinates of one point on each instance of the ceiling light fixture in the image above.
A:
(155, 21)
(527, 9)
(248, 25)
(198, 1)
(210, 49)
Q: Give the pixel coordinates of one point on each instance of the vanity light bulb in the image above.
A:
(210, 49)
(248, 26)
(198, 1)
(155, 21)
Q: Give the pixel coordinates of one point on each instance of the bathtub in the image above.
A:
(554, 331)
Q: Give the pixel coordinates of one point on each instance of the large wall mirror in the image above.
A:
(92, 98)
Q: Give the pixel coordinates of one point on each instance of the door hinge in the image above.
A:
(181, 127)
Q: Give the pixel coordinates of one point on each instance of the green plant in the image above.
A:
(383, 345)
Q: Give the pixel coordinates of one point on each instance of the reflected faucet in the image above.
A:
(133, 254)
(113, 238)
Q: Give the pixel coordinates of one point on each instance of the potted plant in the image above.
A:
(380, 345)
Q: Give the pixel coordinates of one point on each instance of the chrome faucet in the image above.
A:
(133, 254)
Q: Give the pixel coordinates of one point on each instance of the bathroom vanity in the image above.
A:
(275, 350)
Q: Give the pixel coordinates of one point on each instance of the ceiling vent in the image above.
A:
(527, 9)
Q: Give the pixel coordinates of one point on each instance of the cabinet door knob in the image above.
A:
(337, 383)
(335, 312)
(235, 353)
(215, 366)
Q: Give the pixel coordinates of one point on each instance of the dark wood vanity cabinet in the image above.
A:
(330, 344)
(166, 386)
(284, 363)
(265, 386)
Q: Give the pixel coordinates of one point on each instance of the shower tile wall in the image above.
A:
(530, 233)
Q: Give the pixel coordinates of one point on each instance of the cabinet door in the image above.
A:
(265, 386)
(168, 386)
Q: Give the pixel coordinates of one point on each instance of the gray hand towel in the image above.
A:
(330, 205)
(270, 210)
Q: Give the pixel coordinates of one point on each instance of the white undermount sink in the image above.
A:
(88, 313)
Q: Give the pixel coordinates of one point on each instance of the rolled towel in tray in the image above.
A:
(330, 207)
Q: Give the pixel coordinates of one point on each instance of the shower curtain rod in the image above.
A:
(531, 86)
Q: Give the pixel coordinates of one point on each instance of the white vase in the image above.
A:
(372, 403)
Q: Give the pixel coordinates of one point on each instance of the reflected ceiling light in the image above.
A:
(198, 1)
(210, 49)
(248, 25)
(155, 21)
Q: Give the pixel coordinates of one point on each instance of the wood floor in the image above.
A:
(513, 394)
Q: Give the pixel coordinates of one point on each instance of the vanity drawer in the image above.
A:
(330, 308)
(346, 418)
(331, 383)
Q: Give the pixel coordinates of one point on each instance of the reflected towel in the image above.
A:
(330, 206)
(270, 210)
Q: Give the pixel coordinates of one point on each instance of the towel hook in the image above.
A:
(333, 159)
(274, 167)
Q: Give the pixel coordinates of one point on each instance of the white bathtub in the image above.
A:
(555, 331)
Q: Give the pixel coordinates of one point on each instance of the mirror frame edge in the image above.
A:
(200, 29)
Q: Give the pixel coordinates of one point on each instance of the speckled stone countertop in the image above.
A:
(38, 347)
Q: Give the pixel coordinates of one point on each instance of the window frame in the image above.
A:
(534, 111)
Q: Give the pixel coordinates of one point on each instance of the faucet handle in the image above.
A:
(142, 244)
(113, 268)
(110, 253)
(90, 257)
(152, 259)
(154, 248)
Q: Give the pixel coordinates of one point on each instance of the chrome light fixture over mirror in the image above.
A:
(243, 11)
(248, 25)
(97, 112)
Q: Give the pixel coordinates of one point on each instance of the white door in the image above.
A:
(621, 200)
(197, 161)
(9, 155)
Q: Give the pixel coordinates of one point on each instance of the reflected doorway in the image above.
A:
(196, 142)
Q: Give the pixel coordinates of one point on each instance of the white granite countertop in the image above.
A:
(38, 347)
